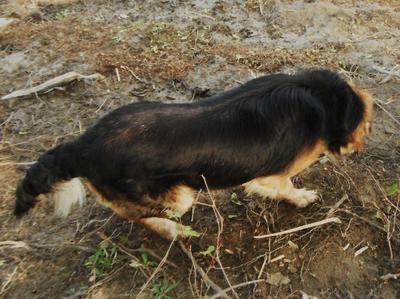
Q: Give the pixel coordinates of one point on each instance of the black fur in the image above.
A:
(254, 130)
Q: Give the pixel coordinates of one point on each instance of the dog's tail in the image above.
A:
(56, 174)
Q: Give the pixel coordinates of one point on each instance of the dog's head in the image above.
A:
(356, 140)
(357, 114)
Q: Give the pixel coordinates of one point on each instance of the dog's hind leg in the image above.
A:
(177, 201)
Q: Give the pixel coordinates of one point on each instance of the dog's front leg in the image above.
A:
(280, 187)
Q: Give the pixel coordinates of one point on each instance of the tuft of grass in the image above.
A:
(161, 289)
(63, 14)
(102, 261)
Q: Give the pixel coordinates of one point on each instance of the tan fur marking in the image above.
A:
(179, 198)
(165, 228)
(306, 157)
(123, 207)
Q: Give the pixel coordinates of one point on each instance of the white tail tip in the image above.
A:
(66, 194)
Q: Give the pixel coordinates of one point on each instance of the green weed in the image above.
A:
(102, 261)
(161, 289)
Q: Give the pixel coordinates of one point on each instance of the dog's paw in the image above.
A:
(301, 198)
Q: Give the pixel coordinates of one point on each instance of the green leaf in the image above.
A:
(386, 227)
(145, 258)
(174, 214)
(235, 200)
(393, 189)
(190, 232)
(210, 249)
(379, 215)
(232, 216)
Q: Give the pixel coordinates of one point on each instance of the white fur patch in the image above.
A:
(66, 194)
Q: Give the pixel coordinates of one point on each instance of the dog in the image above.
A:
(147, 160)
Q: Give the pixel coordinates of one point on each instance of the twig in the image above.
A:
(117, 74)
(7, 120)
(220, 224)
(8, 281)
(15, 244)
(363, 219)
(202, 273)
(391, 73)
(16, 163)
(157, 269)
(296, 229)
(333, 209)
(243, 284)
(203, 15)
(388, 113)
(382, 191)
(133, 74)
(50, 84)
(108, 278)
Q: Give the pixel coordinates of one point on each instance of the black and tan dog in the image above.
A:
(145, 159)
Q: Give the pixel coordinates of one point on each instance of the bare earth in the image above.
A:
(180, 51)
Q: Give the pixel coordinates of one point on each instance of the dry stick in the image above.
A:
(363, 219)
(333, 209)
(388, 237)
(296, 229)
(132, 73)
(49, 84)
(202, 273)
(8, 281)
(194, 206)
(220, 224)
(7, 120)
(108, 278)
(388, 113)
(267, 258)
(17, 163)
(382, 191)
(243, 284)
(117, 74)
(14, 244)
(157, 269)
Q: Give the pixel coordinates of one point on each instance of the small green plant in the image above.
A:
(174, 214)
(161, 289)
(63, 14)
(102, 261)
(146, 261)
(188, 231)
(210, 249)
(235, 199)
(393, 189)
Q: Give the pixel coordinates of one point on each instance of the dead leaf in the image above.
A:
(277, 279)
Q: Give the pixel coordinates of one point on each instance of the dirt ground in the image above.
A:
(179, 51)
